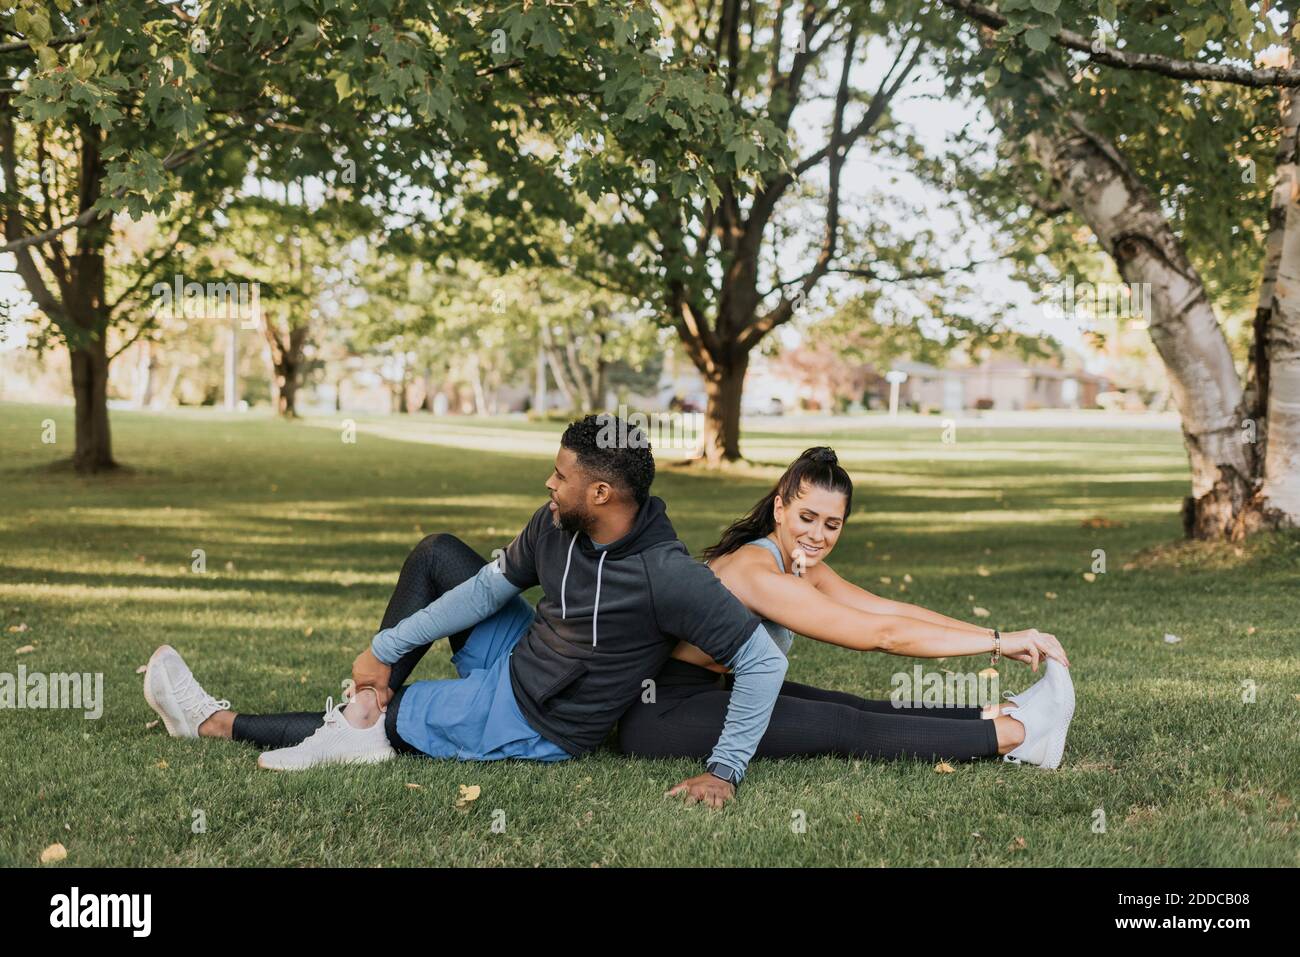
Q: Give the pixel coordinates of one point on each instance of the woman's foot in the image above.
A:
(178, 699)
(1046, 719)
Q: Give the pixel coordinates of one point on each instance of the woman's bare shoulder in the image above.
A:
(744, 562)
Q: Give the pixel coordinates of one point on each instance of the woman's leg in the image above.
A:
(805, 727)
(811, 693)
(436, 565)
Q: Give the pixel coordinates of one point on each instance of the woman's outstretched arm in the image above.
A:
(801, 607)
(830, 584)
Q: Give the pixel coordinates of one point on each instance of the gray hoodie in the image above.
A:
(608, 621)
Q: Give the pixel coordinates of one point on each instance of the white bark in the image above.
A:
(1098, 185)
(1278, 324)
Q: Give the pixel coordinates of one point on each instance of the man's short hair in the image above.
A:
(611, 450)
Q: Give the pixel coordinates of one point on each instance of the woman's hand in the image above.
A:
(369, 672)
(1032, 645)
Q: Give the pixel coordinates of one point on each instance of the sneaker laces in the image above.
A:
(334, 713)
(191, 696)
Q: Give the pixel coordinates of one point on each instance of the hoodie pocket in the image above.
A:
(566, 679)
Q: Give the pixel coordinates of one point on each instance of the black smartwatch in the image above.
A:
(725, 773)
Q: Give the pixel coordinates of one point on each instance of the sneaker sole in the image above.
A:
(1056, 745)
(168, 723)
(373, 758)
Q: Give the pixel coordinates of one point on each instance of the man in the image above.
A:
(619, 591)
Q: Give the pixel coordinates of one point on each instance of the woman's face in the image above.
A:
(810, 522)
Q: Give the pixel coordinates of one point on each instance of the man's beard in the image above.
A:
(572, 522)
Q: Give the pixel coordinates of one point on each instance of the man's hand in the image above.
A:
(707, 788)
(369, 672)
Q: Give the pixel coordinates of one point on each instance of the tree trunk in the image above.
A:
(721, 437)
(1099, 186)
(286, 388)
(94, 448)
(1273, 391)
(286, 355)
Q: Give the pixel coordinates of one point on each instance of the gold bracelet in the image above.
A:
(997, 647)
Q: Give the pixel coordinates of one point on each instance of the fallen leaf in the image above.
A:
(142, 669)
(54, 853)
(1251, 630)
(943, 767)
(1050, 595)
(415, 787)
(981, 612)
(161, 765)
(885, 579)
(1019, 844)
(25, 650)
(1101, 523)
(983, 572)
(150, 725)
(307, 631)
(18, 629)
(1089, 577)
(908, 579)
(468, 794)
(1172, 639)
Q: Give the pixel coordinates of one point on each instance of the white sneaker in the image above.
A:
(1022, 699)
(334, 742)
(1046, 719)
(180, 701)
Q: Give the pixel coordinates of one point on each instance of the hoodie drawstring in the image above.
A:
(564, 605)
(596, 610)
(564, 608)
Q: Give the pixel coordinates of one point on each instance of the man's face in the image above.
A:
(571, 493)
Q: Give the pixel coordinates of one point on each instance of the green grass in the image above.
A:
(304, 536)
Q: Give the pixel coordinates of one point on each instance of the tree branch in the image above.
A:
(1147, 62)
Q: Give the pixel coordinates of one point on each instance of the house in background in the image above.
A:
(1002, 384)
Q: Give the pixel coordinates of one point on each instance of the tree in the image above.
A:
(1170, 178)
(774, 225)
(418, 106)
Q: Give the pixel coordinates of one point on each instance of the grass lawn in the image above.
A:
(304, 535)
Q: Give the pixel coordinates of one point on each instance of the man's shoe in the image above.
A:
(180, 701)
(334, 742)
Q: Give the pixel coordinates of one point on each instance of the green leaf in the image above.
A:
(343, 86)
(1037, 39)
(1045, 6)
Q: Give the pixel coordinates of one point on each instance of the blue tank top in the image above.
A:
(781, 635)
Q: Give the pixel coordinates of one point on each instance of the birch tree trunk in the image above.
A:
(1273, 390)
(1098, 185)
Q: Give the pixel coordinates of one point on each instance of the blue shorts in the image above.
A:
(475, 717)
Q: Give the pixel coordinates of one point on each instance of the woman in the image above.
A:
(774, 561)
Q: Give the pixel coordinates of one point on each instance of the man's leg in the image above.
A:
(436, 565)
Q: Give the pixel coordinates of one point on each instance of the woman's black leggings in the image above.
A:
(436, 565)
(691, 706)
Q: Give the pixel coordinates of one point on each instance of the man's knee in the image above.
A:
(432, 547)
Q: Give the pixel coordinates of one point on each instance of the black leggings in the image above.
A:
(691, 706)
(436, 565)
